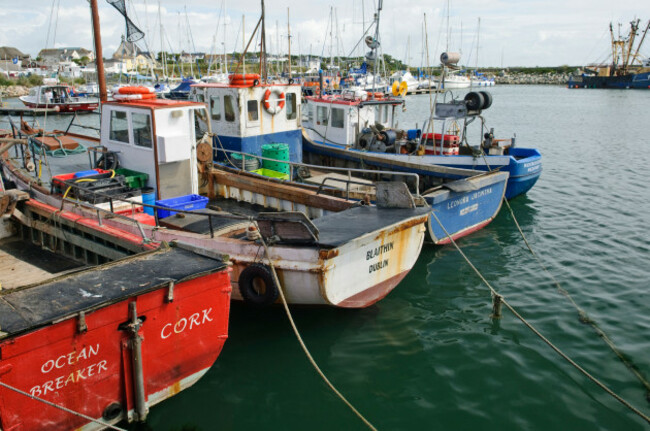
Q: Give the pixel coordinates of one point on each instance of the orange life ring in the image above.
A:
(267, 103)
(135, 90)
(239, 79)
(132, 96)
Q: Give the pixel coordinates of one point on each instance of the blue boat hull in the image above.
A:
(524, 165)
(253, 144)
(639, 81)
(457, 214)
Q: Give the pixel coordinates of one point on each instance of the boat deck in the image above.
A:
(32, 307)
(22, 264)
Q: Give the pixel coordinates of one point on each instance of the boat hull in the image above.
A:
(63, 107)
(524, 165)
(457, 214)
(90, 371)
(639, 81)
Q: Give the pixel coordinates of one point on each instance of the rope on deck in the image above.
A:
(302, 343)
(539, 334)
(65, 409)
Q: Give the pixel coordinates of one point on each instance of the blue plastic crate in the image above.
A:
(186, 203)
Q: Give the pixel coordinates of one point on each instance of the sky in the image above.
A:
(512, 33)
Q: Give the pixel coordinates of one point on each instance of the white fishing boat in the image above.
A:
(59, 97)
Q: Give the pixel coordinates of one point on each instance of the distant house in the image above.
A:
(191, 57)
(10, 53)
(115, 66)
(54, 56)
(133, 56)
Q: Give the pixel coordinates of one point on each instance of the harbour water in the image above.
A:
(429, 356)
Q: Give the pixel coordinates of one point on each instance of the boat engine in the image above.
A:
(378, 140)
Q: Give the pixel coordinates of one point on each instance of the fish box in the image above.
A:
(133, 179)
(185, 203)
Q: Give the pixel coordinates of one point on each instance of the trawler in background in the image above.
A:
(628, 69)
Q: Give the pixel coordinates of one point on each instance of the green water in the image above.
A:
(429, 357)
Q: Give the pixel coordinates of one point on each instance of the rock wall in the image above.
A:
(529, 79)
(13, 91)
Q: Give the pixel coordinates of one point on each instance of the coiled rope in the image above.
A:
(302, 343)
(539, 334)
(65, 409)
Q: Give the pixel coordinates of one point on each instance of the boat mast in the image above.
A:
(634, 26)
(376, 45)
(289, 41)
(641, 42)
(99, 60)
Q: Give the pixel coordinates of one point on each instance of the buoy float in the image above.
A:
(134, 93)
(267, 103)
(241, 79)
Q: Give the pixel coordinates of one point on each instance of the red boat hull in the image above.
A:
(91, 372)
(64, 107)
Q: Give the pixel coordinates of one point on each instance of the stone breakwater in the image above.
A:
(14, 91)
(529, 79)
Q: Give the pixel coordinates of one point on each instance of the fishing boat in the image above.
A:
(627, 69)
(455, 82)
(59, 97)
(98, 321)
(155, 143)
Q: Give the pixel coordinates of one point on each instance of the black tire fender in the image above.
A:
(251, 279)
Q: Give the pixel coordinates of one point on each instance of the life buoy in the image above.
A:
(135, 90)
(256, 285)
(240, 79)
(134, 96)
(279, 101)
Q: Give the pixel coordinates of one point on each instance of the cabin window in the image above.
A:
(337, 118)
(253, 113)
(229, 108)
(141, 130)
(291, 106)
(200, 98)
(215, 108)
(385, 114)
(119, 127)
(377, 113)
(310, 114)
(321, 115)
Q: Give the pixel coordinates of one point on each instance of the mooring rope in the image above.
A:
(583, 316)
(302, 343)
(65, 409)
(539, 334)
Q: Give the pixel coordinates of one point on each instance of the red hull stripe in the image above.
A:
(373, 294)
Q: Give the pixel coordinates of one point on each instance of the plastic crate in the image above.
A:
(186, 203)
(271, 173)
(133, 179)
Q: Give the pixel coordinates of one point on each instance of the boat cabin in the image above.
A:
(156, 137)
(245, 115)
(341, 119)
(50, 94)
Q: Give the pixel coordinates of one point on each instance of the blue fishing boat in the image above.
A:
(359, 126)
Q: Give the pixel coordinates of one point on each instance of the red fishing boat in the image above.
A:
(83, 348)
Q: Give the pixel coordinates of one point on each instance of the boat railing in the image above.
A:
(293, 166)
(124, 215)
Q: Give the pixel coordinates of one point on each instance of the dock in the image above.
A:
(23, 110)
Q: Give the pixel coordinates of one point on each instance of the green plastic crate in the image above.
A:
(271, 174)
(133, 179)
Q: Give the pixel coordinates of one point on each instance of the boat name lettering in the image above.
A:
(481, 193)
(384, 248)
(69, 358)
(377, 266)
(531, 164)
(184, 323)
(75, 376)
(457, 202)
(533, 168)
